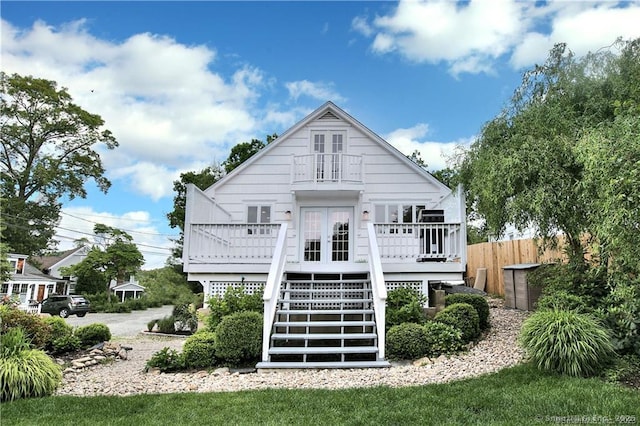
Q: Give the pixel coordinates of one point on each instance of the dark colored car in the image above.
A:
(64, 306)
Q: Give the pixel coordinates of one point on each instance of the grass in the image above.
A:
(514, 396)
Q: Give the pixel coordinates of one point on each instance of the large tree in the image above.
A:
(245, 150)
(114, 257)
(525, 168)
(48, 152)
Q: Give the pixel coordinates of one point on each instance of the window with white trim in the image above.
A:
(259, 214)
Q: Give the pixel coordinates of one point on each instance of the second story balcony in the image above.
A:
(320, 171)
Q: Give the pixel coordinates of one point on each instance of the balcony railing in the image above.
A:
(336, 168)
(420, 242)
(232, 243)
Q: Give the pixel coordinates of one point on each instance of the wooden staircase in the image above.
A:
(324, 321)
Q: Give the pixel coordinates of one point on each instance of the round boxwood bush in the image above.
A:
(404, 305)
(239, 338)
(566, 342)
(25, 372)
(463, 317)
(92, 334)
(442, 339)
(406, 341)
(62, 338)
(199, 350)
(477, 301)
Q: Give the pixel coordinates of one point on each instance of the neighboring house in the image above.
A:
(28, 283)
(512, 233)
(128, 290)
(327, 218)
(51, 265)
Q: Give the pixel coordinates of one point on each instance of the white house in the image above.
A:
(52, 264)
(327, 218)
(129, 290)
(27, 283)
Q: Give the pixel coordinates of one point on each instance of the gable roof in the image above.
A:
(329, 110)
(48, 262)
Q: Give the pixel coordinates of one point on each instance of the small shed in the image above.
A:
(517, 291)
(128, 290)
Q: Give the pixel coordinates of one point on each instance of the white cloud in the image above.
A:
(317, 90)
(78, 222)
(470, 38)
(159, 97)
(435, 154)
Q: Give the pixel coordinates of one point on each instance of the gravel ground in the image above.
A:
(496, 351)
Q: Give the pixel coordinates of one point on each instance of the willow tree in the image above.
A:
(528, 165)
(48, 153)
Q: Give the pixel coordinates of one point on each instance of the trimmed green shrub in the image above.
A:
(137, 304)
(62, 333)
(66, 343)
(239, 338)
(37, 331)
(167, 325)
(25, 372)
(92, 334)
(167, 360)
(185, 317)
(234, 300)
(477, 301)
(566, 342)
(406, 341)
(563, 300)
(199, 350)
(463, 317)
(442, 339)
(404, 305)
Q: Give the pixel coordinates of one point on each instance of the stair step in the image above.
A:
(333, 364)
(283, 350)
(325, 290)
(325, 282)
(325, 300)
(323, 336)
(323, 323)
(324, 311)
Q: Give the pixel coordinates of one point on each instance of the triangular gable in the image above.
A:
(329, 111)
(51, 262)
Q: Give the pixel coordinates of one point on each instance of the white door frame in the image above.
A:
(319, 242)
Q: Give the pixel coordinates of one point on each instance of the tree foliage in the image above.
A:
(243, 151)
(47, 153)
(114, 257)
(537, 163)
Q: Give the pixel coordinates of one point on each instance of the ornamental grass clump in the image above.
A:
(566, 342)
(25, 372)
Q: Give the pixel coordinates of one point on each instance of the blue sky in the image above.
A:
(180, 83)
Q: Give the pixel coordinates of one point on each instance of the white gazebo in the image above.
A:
(128, 290)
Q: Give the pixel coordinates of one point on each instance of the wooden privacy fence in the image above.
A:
(495, 256)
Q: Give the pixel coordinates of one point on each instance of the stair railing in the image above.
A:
(378, 288)
(272, 288)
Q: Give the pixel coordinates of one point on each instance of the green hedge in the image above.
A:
(239, 338)
(463, 317)
(479, 303)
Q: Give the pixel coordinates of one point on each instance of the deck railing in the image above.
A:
(338, 168)
(232, 243)
(378, 289)
(420, 242)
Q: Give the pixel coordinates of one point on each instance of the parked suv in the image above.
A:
(64, 306)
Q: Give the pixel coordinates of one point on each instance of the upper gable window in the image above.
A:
(328, 141)
(17, 266)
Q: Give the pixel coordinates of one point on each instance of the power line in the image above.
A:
(126, 230)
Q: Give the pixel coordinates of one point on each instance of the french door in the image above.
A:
(326, 234)
(328, 156)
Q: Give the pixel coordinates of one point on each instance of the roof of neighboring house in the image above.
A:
(48, 262)
(31, 273)
(128, 286)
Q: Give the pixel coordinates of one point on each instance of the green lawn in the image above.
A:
(515, 396)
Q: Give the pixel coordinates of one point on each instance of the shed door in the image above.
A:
(326, 234)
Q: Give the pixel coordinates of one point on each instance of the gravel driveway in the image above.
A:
(125, 324)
